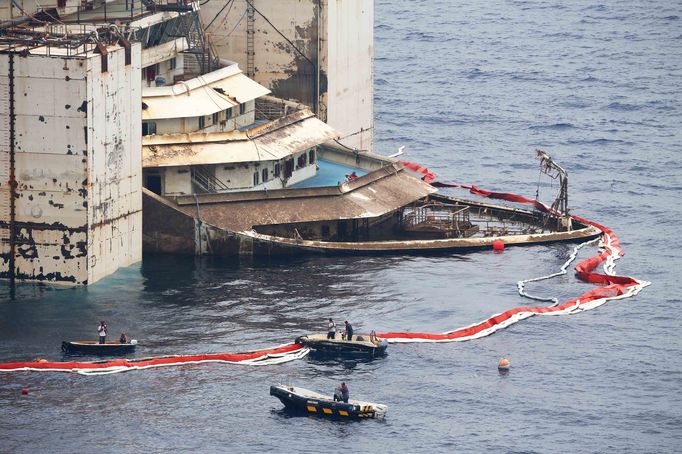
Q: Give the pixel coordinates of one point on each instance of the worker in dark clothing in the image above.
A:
(349, 331)
(102, 331)
(344, 392)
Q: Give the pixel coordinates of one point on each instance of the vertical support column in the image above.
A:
(317, 62)
(12, 176)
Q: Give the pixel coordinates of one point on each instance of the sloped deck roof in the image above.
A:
(204, 95)
(271, 141)
(375, 194)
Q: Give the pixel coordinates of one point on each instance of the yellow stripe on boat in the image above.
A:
(327, 411)
(343, 412)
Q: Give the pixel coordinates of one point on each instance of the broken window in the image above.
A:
(153, 183)
(148, 128)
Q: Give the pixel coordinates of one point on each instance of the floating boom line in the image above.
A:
(267, 357)
(613, 288)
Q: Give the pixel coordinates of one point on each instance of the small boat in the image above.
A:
(95, 348)
(359, 345)
(304, 401)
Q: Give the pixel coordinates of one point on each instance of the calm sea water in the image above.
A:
(470, 89)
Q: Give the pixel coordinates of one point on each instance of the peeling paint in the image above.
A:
(78, 218)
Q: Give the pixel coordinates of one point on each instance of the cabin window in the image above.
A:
(148, 128)
(152, 181)
(202, 122)
(265, 175)
(277, 170)
(173, 63)
(151, 73)
(301, 161)
(311, 156)
(288, 168)
(228, 113)
(242, 108)
(256, 177)
(215, 118)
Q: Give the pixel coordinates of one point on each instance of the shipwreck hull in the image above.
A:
(271, 245)
(169, 228)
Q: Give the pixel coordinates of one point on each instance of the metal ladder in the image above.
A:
(250, 33)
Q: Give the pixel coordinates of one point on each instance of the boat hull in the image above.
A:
(297, 403)
(94, 348)
(321, 347)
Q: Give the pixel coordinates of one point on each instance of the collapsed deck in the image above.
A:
(385, 211)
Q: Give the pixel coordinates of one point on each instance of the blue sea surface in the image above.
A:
(596, 85)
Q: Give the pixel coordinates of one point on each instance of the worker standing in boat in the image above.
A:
(345, 394)
(102, 330)
(331, 329)
(349, 331)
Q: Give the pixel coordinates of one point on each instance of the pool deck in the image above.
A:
(329, 174)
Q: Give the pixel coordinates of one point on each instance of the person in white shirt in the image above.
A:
(331, 329)
(102, 330)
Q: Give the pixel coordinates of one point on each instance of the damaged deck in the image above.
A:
(363, 216)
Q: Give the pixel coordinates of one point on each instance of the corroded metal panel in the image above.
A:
(114, 131)
(277, 63)
(291, 60)
(77, 164)
(50, 168)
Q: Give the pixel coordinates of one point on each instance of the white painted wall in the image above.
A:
(191, 124)
(236, 176)
(176, 180)
(164, 69)
(348, 52)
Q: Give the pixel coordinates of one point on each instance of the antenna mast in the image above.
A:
(560, 204)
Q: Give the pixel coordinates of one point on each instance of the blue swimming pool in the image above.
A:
(329, 174)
